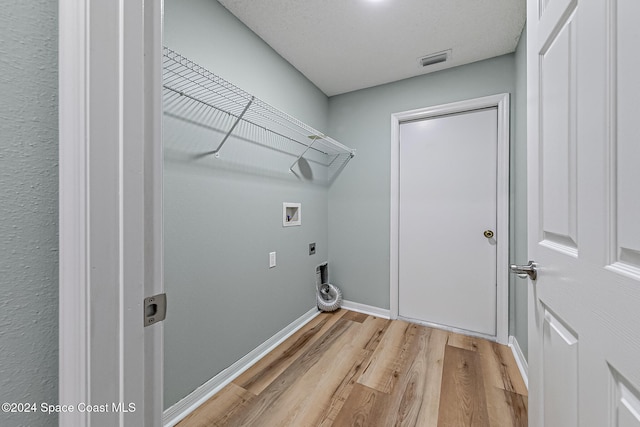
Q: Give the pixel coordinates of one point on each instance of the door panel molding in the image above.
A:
(552, 19)
(560, 362)
(623, 130)
(501, 101)
(558, 146)
(624, 408)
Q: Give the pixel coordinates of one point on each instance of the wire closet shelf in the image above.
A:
(186, 83)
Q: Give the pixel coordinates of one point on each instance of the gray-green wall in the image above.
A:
(223, 216)
(257, 302)
(205, 31)
(518, 289)
(29, 208)
(359, 200)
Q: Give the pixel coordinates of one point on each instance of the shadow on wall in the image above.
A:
(207, 117)
(191, 137)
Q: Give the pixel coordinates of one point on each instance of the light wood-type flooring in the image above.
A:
(351, 369)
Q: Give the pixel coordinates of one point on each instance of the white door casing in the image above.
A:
(501, 102)
(583, 210)
(110, 211)
(447, 267)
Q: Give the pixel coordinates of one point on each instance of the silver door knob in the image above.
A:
(523, 271)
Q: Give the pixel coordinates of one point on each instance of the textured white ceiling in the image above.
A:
(345, 45)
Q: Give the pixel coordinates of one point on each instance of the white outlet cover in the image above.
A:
(272, 259)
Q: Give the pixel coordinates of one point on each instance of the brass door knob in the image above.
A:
(488, 234)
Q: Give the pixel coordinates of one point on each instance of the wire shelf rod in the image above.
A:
(209, 82)
(194, 85)
(183, 88)
(217, 150)
(244, 119)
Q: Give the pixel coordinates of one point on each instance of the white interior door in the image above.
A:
(584, 212)
(447, 266)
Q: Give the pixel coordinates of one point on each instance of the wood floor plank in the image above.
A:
(365, 407)
(309, 399)
(292, 394)
(342, 392)
(340, 333)
(412, 378)
(500, 368)
(260, 375)
(373, 328)
(519, 407)
(371, 331)
(506, 409)
(512, 376)
(463, 341)
(429, 406)
(223, 405)
(381, 326)
(409, 377)
(390, 358)
(462, 397)
(355, 316)
(497, 407)
(316, 395)
(414, 399)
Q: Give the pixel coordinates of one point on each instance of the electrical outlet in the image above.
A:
(312, 248)
(272, 259)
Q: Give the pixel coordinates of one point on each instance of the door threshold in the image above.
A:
(466, 332)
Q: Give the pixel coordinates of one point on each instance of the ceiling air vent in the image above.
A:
(434, 58)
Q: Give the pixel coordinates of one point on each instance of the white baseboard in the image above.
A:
(184, 407)
(520, 359)
(366, 309)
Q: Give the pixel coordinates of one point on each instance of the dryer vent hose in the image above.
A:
(329, 297)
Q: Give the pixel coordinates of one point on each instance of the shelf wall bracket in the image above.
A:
(314, 138)
(216, 151)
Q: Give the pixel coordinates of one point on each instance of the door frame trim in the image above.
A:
(501, 102)
(110, 208)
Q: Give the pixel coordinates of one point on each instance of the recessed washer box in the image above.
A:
(291, 214)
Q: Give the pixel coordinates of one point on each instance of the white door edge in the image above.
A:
(501, 102)
(109, 258)
(154, 209)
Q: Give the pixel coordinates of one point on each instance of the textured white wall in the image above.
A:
(28, 208)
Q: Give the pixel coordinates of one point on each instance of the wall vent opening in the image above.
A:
(434, 58)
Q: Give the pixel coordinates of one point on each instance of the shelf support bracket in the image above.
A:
(314, 138)
(215, 152)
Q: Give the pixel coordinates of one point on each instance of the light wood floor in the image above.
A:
(350, 369)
